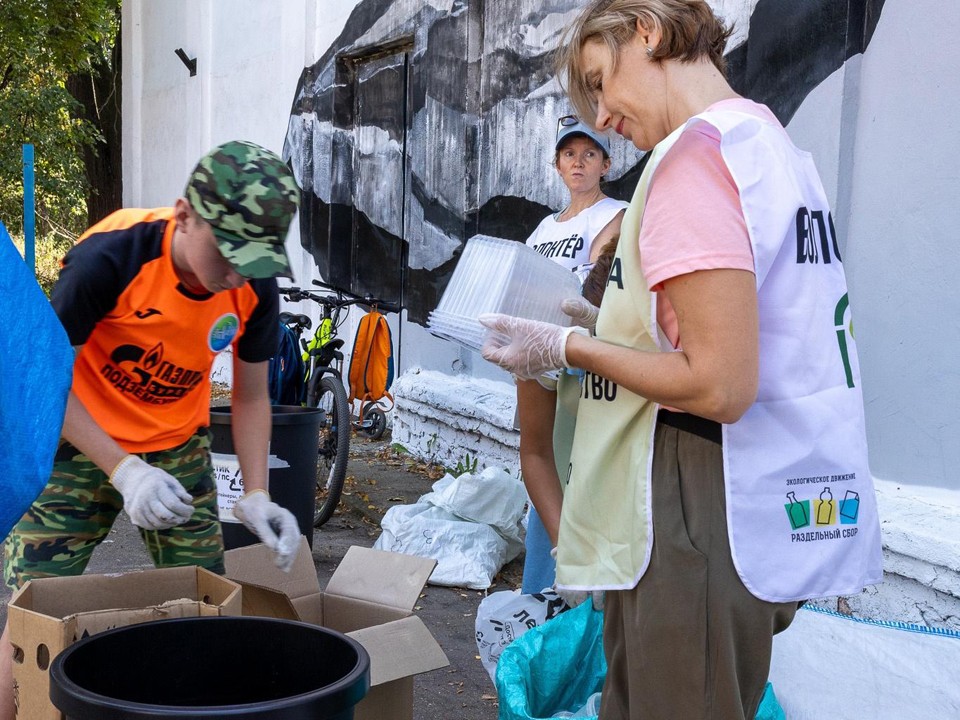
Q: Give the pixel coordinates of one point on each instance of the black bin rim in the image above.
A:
(281, 414)
(77, 702)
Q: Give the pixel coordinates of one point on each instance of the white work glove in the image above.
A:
(573, 598)
(583, 312)
(527, 348)
(275, 526)
(154, 499)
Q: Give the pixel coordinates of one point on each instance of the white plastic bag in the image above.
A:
(590, 710)
(504, 616)
(862, 668)
(468, 554)
(491, 497)
(468, 524)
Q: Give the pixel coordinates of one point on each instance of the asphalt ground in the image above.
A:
(378, 476)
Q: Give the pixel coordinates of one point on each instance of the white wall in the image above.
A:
(903, 259)
(884, 133)
(249, 57)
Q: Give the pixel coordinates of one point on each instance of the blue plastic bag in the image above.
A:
(557, 666)
(769, 706)
(36, 367)
(553, 667)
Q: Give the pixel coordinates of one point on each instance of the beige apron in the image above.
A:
(565, 421)
(605, 527)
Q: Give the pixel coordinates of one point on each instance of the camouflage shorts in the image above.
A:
(76, 510)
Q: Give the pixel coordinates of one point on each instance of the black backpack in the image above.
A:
(286, 371)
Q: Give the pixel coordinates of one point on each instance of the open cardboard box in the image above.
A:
(370, 597)
(48, 615)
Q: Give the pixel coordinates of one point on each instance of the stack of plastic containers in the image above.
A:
(500, 276)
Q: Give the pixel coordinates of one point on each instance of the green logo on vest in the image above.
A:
(843, 327)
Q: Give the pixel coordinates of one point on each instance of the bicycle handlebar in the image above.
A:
(339, 300)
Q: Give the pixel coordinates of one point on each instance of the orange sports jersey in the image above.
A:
(148, 342)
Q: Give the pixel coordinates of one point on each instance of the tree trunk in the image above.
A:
(98, 93)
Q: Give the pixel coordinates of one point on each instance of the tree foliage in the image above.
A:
(43, 44)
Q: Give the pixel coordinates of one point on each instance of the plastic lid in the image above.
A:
(495, 275)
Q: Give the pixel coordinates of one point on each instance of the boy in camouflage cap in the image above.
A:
(248, 195)
(149, 298)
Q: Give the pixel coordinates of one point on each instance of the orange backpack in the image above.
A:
(371, 364)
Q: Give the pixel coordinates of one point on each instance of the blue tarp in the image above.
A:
(36, 367)
(558, 665)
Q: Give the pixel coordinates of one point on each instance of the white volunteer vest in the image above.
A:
(800, 501)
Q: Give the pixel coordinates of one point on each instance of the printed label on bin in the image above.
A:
(226, 471)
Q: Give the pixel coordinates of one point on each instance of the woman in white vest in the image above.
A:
(573, 238)
(723, 473)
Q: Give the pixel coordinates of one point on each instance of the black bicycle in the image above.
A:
(324, 390)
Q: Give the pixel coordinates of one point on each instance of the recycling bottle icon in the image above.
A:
(826, 508)
(798, 511)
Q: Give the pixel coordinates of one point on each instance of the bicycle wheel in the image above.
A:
(373, 423)
(329, 396)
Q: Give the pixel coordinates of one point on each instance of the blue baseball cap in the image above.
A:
(571, 125)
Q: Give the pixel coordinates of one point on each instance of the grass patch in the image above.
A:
(49, 251)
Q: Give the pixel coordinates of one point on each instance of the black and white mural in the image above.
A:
(427, 121)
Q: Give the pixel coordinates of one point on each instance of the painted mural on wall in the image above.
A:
(427, 121)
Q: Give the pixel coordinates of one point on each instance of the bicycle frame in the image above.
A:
(323, 355)
(324, 351)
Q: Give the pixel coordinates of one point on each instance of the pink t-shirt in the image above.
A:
(692, 219)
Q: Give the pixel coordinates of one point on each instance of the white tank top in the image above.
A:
(568, 243)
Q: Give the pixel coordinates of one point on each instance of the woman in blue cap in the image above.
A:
(573, 237)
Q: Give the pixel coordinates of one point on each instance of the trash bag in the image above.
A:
(555, 667)
(769, 706)
(504, 616)
(891, 669)
(557, 670)
(469, 524)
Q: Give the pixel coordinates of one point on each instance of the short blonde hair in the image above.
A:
(689, 31)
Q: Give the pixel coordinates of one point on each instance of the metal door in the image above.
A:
(380, 188)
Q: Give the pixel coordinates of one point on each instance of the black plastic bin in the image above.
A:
(294, 442)
(211, 667)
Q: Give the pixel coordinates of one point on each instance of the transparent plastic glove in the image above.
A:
(573, 598)
(527, 348)
(581, 311)
(275, 526)
(154, 499)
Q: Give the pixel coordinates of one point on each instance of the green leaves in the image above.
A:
(58, 34)
(42, 42)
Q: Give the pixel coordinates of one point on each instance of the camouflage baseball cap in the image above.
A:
(249, 197)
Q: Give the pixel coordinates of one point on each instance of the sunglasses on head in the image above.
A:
(567, 121)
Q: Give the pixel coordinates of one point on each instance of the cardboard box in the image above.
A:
(370, 597)
(47, 616)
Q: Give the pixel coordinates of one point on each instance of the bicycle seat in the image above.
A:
(292, 319)
(303, 320)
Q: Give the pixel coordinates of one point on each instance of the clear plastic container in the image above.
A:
(500, 276)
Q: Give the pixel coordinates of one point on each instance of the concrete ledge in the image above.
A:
(443, 418)
(920, 527)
